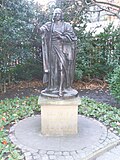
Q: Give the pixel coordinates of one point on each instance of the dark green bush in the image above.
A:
(31, 69)
(78, 74)
(98, 55)
(114, 83)
(19, 40)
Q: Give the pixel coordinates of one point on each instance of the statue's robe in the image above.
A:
(58, 54)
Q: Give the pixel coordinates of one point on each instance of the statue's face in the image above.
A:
(57, 15)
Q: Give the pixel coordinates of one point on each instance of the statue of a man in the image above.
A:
(58, 48)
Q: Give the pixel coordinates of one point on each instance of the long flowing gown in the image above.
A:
(58, 54)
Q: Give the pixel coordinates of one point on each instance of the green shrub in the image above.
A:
(31, 69)
(78, 74)
(97, 55)
(114, 83)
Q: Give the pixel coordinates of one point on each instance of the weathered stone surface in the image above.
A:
(52, 157)
(50, 152)
(66, 153)
(67, 147)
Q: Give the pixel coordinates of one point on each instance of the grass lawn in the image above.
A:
(13, 110)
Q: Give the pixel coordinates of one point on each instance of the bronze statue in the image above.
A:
(58, 48)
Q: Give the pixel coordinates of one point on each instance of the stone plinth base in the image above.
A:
(58, 116)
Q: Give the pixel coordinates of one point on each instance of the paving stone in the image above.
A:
(28, 158)
(42, 152)
(73, 153)
(33, 150)
(97, 148)
(12, 129)
(58, 153)
(37, 157)
(112, 136)
(108, 140)
(11, 136)
(25, 149)
(60, 158)
(66, 153)
(101, 141)
(50, 152)
(76, 156)
(88, 150)
(44, 157)
(100, 146)
(69, 158)
(27, 154)
(116, 150)
(52, 157)
(20, 146)
(82, 151)
(82, 155)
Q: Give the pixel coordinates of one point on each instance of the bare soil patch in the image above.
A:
(95, 89)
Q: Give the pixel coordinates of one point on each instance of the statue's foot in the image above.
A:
(60, 93)
(48, 89)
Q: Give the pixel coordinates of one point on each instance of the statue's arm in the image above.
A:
(69, 32)
(44, 28)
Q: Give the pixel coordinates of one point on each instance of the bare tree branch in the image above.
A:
(107, 3)
(96, 10)
(108, 10)
(85, 5)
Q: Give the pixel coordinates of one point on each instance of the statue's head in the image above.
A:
(57, 14)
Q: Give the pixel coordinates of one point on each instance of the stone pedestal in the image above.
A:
(58, 116)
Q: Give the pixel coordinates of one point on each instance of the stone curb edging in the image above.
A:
(101, 151)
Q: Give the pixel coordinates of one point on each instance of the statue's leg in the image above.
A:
(70, 72)
(61, 81)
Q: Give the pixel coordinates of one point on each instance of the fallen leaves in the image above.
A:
(25, 84)
(93, 84)
(4, 119)
(1, 128)
(11, 111)
(4, 142)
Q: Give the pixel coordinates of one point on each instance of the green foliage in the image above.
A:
(98, 54)
(11, 111)
(108, 115)
(31, 69)
(78, 74)
(114, 83)
(19, 41)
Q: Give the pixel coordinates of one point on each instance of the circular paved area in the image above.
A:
(90, 131)
(92, 137)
